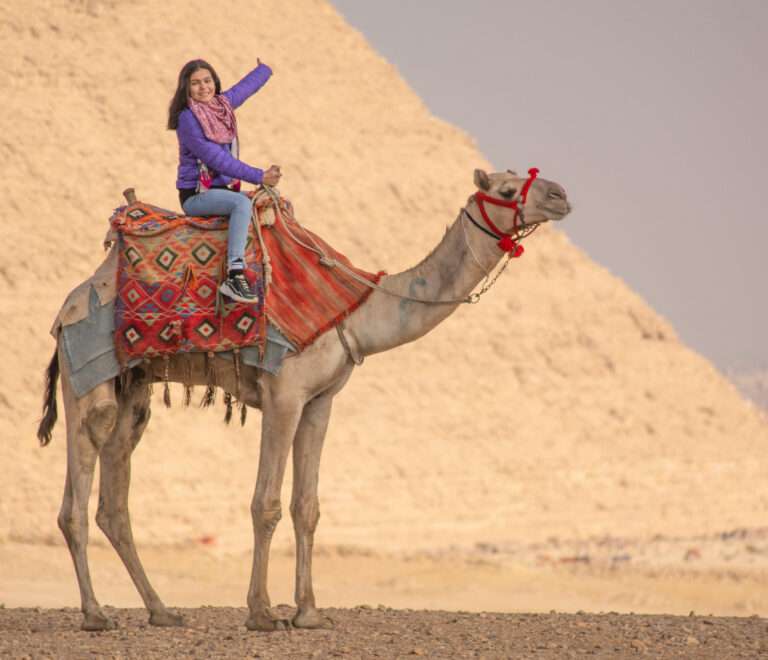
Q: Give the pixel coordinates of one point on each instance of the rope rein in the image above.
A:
(265, 260)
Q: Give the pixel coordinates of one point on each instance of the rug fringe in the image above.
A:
(209, 398)
(243, 413)
(125, 380)
(236, 359)
(166, 386)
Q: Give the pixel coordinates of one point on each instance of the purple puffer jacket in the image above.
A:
(193, 144)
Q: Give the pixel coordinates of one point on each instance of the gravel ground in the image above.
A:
(365, 632)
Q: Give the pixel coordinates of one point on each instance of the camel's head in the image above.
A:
(539, 199)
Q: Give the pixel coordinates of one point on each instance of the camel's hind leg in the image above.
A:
(114, 482)
(90, 422)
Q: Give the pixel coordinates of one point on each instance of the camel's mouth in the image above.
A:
(556, 212)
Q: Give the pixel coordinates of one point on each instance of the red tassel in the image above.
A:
(507, 244)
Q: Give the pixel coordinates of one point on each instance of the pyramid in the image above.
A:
(562, 405)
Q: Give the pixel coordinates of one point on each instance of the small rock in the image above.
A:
(692, 641)
(639, 645)
(418, 651)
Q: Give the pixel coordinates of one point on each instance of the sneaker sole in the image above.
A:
(229, 293)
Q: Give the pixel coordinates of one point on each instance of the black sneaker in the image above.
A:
(237, 288)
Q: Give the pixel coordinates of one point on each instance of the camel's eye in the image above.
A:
(508, 193)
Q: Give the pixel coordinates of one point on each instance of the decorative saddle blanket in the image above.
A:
(170, 267)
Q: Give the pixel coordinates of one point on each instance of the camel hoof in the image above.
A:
(166, 618)
(97, 622)
(265, 623)
(312, 619)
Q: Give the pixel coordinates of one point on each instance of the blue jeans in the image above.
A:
(226, 202)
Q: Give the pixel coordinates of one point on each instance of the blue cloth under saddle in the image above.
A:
(89, 347)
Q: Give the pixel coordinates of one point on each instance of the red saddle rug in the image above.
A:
(170, 267)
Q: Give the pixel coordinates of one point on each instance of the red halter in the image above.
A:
(507, 242)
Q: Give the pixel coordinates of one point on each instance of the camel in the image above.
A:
(107, 423)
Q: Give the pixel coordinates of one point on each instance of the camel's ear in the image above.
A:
(481, 180)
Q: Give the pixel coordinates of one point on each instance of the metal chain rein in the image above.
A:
(327, 261)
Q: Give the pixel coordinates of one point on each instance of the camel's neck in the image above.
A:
(449, 272)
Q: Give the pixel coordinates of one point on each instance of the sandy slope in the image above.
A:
(561, 406)
(754, 386)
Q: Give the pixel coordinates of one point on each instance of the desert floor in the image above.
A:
(364, 632)
(711, 602)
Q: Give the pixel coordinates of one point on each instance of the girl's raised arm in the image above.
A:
(248, 86)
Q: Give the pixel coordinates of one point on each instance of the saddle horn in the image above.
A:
(130, 195)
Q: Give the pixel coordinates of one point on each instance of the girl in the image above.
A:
(209, 171)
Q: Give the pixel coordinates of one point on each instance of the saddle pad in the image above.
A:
(169, 269)
(170, 266)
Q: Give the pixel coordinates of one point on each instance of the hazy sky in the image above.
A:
(653, 115)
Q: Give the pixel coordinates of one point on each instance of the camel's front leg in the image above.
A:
(280, 418)
(305, 508)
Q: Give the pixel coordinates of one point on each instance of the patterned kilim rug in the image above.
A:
(307, 298)
(170, 266)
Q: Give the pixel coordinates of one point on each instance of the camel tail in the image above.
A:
(50, 413)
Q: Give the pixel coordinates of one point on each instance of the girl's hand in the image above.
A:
(272, 176)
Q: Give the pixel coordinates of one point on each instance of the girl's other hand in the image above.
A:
(272, 176)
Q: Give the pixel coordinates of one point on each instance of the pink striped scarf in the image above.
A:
(216, 118)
